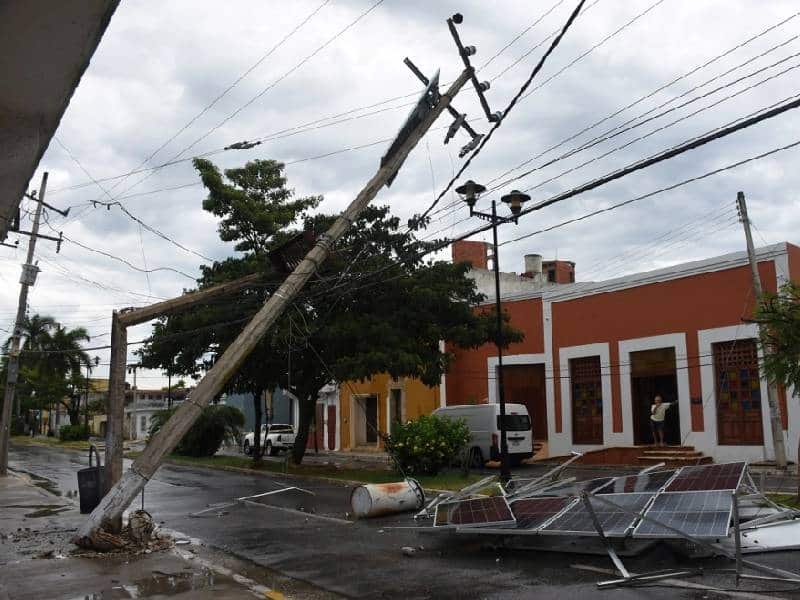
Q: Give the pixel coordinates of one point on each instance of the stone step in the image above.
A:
(675, 460)
(667, 448)
(673, 453)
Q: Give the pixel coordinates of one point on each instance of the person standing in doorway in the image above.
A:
(658, 412)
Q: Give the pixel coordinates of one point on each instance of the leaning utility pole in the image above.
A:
(775, 420)
(27, 279)
(428, 109)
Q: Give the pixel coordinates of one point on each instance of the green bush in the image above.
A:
(426, 445)
(71, 433)
(209, 431)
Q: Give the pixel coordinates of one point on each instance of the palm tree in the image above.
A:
(35, 335)
(65, 357)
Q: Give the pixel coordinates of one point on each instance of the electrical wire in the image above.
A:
(236, 82)
(269, 87)
(510, 106)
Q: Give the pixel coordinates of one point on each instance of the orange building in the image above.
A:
(595, 354)
(372, 406)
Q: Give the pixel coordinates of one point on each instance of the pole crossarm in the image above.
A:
(142, 315)
(144, 467)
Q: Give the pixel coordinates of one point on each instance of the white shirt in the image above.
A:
(658, 411)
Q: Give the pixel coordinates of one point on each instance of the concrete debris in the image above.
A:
(141, 527)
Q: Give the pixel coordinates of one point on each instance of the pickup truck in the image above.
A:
(280, 437)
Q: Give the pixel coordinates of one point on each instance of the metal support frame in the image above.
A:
(548, 477)
(737, 536)
(714, 548)
(609, 547)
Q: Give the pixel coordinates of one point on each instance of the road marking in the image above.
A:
(299, 512)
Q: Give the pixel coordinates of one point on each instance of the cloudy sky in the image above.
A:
(329, 88)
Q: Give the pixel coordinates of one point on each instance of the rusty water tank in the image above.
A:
(376, 499)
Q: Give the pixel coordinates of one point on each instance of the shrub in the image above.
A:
(71, 433)
(209, 431)
(426, 445)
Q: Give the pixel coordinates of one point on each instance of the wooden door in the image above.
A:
(331, 427)
(653, 373)
(371, 417)
(320, 426)
(525, 384)
(587, 400)
(738, 391)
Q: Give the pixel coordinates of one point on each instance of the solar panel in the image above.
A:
(613, 521)
(703, 514)
(574, 488)
(649, 482)
(531, 513)
(476, 512)
(724, 476)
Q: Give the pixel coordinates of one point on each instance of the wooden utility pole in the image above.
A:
(145, 466)
(775, 420)
(27, 279)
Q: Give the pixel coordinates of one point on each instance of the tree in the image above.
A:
(779, 318)
(375, 306)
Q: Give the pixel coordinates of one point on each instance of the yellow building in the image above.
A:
(371, 406)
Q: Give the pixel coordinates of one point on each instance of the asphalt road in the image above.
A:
(364, 559)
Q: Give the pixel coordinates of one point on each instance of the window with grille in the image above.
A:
(738, 393)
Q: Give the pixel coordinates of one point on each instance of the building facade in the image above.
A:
(371, 407)
(595, 354)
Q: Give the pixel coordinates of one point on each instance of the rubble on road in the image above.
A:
(703, 510)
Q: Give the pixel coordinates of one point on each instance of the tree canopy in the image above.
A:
(51, 361)
(376, 306)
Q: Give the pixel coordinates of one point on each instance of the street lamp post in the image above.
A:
(96, 361)
(470, 191)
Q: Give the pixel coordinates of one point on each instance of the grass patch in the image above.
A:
(443, 481)
(25, 440)
(790, 500)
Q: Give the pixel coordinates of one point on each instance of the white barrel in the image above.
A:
(375, 499)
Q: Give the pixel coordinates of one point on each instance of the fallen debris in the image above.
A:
(710, 510)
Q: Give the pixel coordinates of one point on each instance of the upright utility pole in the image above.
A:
(27, 279)
(772, 401)
(110, 509)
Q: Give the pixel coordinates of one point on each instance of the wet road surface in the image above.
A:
(364, 559)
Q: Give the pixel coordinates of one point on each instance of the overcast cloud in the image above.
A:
(161, 63)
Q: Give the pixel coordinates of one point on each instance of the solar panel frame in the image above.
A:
(549, 507)
(615, 523)
(466, 513)
(577, 487)
(637, 484)
(688, 512)
(723, 476)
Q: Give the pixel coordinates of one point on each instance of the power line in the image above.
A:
(661, 88)
(642, 197)
(286, 74)
(115, 257)
(236, 82)
(511, 105)
(609, 136)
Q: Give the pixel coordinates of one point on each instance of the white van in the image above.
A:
(483, 421)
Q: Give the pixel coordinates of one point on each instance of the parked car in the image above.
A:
(483, 421)
(280, 437)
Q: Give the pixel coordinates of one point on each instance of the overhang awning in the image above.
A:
(45, 47)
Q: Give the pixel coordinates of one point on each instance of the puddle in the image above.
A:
(47, 512)
(42, 510)
(164, 585)
(42, 482)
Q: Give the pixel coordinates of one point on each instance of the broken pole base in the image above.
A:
(109, 510)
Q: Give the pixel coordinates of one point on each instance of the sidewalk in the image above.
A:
(37, 559)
